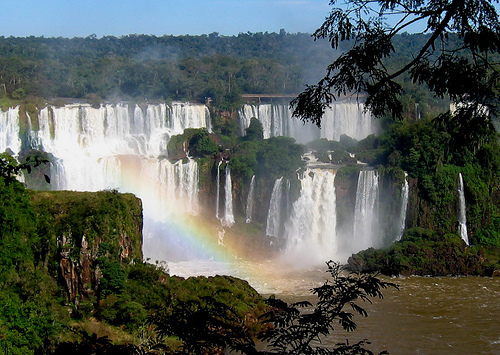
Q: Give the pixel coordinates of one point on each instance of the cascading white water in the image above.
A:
(462, 215)
(310, 232)
(217, 198)
(273, 224)
(405, 191)
(9, 134)
(118, 129)
(250, 201)
(366, 226)
(348, 118)
(277, 121)
(121, 147)
(344, 117)
(228, 219)
(117, 147)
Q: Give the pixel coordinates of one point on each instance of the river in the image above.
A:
(427, 315)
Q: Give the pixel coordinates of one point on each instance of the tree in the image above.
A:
(209, 326)
(205, 326)
(10, 169)
(459, 57)
(297, 332)
(255, 130)
(202, 144)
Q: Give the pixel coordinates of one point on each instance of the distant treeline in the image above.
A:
(149, 67)
(166, 68)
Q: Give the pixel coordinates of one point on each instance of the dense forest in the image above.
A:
(159, 68)
(138, 306)
(192, 68)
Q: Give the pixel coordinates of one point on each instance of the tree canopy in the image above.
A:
(458, 58)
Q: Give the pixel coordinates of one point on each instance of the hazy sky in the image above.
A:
(72, 18)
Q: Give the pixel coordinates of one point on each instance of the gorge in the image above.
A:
(311, 215)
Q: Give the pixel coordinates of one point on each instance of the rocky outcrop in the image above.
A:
(423, 252)
(80, 230)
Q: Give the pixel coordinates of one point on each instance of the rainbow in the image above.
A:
(190, 244)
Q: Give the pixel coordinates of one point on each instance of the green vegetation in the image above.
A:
(171, 68)
(29, 313)
(195, 141)
(158, 68)
(431, 153)
(425, 252)
(255, 130)
(70, 261)
(456, 59)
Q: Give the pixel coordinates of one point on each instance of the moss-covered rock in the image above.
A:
(424, 252)
(81, 229)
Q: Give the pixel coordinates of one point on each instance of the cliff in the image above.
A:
(81, 230)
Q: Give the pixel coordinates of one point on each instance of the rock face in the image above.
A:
(81, 229)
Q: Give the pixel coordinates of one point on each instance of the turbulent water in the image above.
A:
(310, 232)
(440, 315)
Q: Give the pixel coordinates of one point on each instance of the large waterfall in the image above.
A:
(124, 147)
(462, 216)
(250, 201)
(228, 219)
(366, 226)
(343, 117)
(116, 147)
(310, 232)
(405, 192)
(274, 215)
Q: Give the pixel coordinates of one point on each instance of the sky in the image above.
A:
(81, 18)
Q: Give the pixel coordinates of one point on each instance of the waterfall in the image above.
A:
(181, 178)
(273, 225)
(405, 190)
(9, 134)
(250, 201)
(228, 219)
(348, 117)
(116, 129)
(217, 199)
(462, 216)
(365, 212)
(117, 146)
(343, 117)
(310, 232)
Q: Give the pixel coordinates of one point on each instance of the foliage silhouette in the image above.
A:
(297, 332)
(458, 58)
(255, 130)
(207, 326)
(10, 169)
